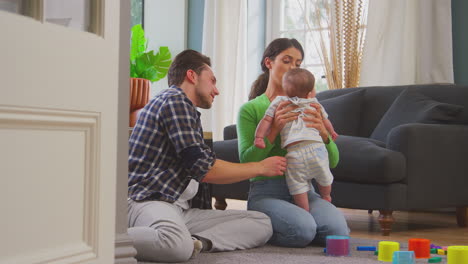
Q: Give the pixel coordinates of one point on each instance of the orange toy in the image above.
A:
(420, 246)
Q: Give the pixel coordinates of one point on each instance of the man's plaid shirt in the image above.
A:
(167, 150)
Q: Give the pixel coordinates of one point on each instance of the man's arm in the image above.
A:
(224, 172)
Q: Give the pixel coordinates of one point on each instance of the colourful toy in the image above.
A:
(433, 250)
(386, 249)
(403, 257)
(420, 246)
(376, 253)
(457, 254)
(435, 246)
(434, 260)
(337, 246)
(441, 252)
(363, 248)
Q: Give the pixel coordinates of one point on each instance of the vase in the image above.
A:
(139, 97)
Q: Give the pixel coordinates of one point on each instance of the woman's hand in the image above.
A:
(283, 115)
(314, 119)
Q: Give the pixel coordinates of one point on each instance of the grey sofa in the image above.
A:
(401, 148)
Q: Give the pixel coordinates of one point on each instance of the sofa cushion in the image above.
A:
(344, 112)
(364, 160)
(230, 132)
(413, 107)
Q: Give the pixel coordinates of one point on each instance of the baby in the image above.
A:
(307, 155)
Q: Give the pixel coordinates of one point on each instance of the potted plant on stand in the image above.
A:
(145, 67)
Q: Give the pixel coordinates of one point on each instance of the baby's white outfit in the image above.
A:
(306, 160)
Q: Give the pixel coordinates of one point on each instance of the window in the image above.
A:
(10, 6)
(73, 14)
(288, 20)
(84, 15)
(307, 21)
(27, 8)
(137, 13)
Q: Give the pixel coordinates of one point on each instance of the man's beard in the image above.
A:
(205, 102)
(205, 105)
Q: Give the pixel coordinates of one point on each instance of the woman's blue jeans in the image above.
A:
(292, 225)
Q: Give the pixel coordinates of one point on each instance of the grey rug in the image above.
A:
(309, 255)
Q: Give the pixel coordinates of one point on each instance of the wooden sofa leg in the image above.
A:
(220, 203)
(462, 216)
(386, 221)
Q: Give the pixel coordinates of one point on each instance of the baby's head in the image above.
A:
(299, 82)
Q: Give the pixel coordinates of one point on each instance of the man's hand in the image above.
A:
(273, 166)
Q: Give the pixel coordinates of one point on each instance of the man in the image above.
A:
(168, 158)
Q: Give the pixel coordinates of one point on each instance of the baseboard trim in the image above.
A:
(124, 250)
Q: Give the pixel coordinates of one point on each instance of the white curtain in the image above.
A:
(408, 42)
(224, 41)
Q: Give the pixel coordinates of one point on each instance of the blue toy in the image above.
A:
(362, 248)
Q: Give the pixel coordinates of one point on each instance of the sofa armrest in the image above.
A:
(436, 163)
(227, 150)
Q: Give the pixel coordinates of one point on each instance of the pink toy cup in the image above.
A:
(337, 246)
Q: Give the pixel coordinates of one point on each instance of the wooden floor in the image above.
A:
(440, 227)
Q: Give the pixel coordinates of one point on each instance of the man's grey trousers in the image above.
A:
(162, 232)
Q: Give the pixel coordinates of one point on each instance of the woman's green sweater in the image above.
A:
(249, 116)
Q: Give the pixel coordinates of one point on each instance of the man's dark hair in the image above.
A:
(184, 61)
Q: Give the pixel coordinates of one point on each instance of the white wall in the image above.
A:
(165, 24)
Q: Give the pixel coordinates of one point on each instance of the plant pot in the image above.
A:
(139, 97)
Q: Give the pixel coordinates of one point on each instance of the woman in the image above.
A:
(292, 225)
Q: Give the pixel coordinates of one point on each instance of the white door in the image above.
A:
(58, 122)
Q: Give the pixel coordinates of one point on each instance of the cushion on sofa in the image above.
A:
(344, 112)
(365, 160)
(413, 107)
(230, 132)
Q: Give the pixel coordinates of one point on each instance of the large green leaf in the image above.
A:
(133, 72)
(147, 65)
(162, 62)
(150, 73)
(139, 42)
(142, 64)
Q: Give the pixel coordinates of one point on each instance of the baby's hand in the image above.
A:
(259, 143)
(334, 135)
(327, 198)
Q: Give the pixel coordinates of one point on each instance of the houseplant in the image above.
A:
(145, 67)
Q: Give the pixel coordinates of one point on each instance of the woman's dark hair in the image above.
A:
(274, 48)
(184, 61)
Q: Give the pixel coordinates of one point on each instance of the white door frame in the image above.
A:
(124, 250)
